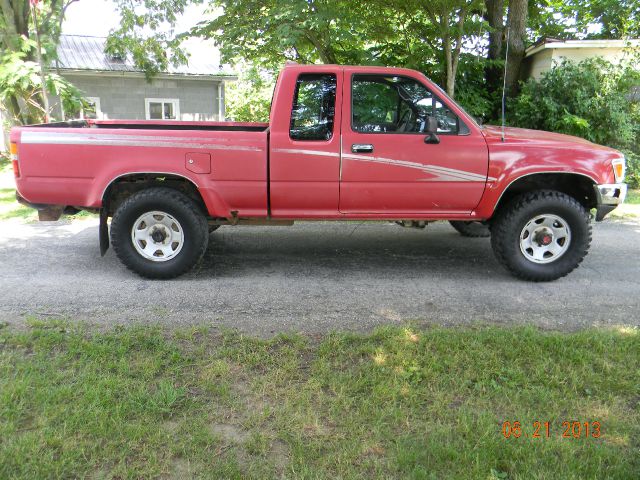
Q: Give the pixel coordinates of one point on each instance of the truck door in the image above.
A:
(390, 165)
(305, 145)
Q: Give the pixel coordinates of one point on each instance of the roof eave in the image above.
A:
(137, 74)
(533, 49)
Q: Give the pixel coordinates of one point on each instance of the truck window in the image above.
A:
(382, 104)
(314, 106)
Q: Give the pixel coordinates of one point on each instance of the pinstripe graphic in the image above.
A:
(63, 138)
(442, 174)
(306, 152)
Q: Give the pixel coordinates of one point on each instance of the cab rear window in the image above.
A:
(314, 106)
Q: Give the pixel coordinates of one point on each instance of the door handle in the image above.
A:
(361, 148)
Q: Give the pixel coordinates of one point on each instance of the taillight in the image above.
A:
(13, 151)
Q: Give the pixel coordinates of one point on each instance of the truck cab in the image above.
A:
(354, 141)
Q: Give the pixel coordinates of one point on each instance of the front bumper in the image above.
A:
(608, 197)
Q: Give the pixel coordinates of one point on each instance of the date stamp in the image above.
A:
(538, 429)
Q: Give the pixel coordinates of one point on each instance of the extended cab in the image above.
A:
(342, 143)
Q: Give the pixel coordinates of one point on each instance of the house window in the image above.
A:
(93, 110)
(162, 108)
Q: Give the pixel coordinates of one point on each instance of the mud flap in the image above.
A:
(103, 231)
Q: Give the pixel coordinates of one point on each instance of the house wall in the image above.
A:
(123, 97)
(542, 61)
(536, 65)
(613, 55)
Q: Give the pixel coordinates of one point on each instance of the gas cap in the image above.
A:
(197, 162)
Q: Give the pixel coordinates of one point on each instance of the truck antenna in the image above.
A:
(504, 84)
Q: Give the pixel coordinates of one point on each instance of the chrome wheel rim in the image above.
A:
(157, 236)
(545, 238)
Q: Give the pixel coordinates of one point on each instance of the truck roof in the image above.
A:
(331, 66)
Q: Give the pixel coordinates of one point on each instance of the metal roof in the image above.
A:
(78, 52)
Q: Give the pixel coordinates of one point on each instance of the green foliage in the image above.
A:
(587, 99)
(584, 19)
(20, 80)
(420, 34)
(301, 30)
(633, 166)
(249, 99)
(146, 34)
(471, 87)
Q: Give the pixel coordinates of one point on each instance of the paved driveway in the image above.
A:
(317, 277)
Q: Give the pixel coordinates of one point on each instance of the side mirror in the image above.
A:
(432, 128)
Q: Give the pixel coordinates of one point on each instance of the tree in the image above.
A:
(606, 19)
(269, 32)
(146, 33)
(516, 38)
(450, 22)
(20, 82)
(409, 33)
(494, 16)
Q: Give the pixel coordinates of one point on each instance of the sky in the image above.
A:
(97, 17)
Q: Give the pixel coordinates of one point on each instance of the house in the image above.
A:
(117, 89)
(547, 52)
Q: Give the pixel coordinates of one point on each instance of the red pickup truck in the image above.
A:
(342, 143)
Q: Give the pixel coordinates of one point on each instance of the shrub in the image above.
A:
(589, 99)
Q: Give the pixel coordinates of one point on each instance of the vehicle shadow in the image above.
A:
(342, 250)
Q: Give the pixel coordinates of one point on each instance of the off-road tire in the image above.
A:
(509, 222)
(471, 229)
(191, 218)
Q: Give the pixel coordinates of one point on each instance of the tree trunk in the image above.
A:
(517, 24)
(494, 16)
(450, 76)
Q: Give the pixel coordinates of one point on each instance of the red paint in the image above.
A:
(462, 177)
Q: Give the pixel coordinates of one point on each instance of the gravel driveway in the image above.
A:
(316, 277)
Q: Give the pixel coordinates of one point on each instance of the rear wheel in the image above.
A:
(541, 236)
(471, 229)
(159, 233)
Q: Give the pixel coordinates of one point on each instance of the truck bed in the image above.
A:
(73, 163)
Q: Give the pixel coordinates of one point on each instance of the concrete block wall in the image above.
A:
(123, 97)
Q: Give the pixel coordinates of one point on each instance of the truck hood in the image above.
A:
(526, 135)
(524, 152)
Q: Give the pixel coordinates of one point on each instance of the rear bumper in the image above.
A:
(609, 196)
(46, 213)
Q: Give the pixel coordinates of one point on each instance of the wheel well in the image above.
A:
(123, 187)
(577, 186)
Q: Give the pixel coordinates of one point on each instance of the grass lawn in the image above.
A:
(633, 196)
(398, 403)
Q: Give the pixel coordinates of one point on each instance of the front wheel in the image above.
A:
(541, 236)
(159, 233)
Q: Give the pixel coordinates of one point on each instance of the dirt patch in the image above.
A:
(229, 433)
(180, 469)
(279, 454)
